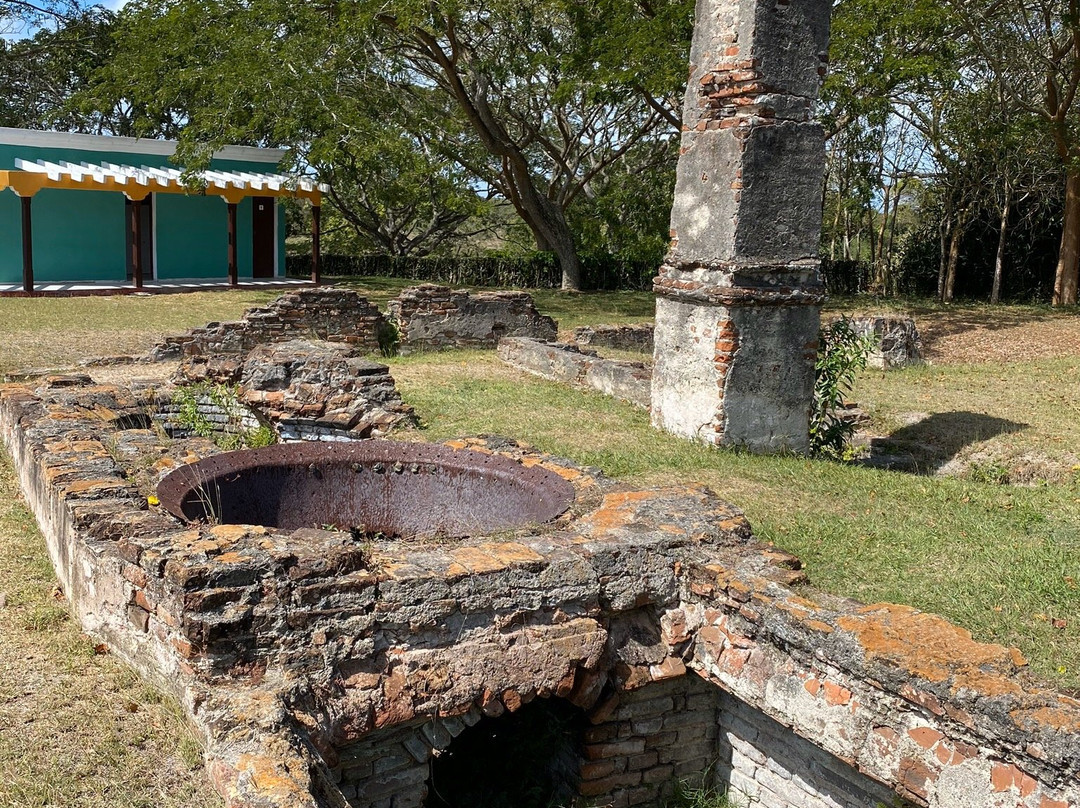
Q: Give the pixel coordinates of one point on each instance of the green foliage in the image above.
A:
(688, 795)
(40, 73)
(389, 338)
(989, 473)
(627, 215)
(503, 270)
(233, 434)
(417, 113)
(842, 353)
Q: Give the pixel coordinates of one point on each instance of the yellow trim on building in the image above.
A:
(28, 183)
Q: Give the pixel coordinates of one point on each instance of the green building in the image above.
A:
(76, 206)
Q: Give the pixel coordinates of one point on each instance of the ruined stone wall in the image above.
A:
(308, 390)
(326, 313)
(628, 381)
(895, 341)
(637, 337)
(291, 649)
(431, 317)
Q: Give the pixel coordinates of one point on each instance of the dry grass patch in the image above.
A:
(57, 332)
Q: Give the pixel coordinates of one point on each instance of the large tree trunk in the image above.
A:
(944, 231)
(954, 259)
(469, 89)
(999, 258)
(1068, 266)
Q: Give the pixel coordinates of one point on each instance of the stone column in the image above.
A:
(739, 296)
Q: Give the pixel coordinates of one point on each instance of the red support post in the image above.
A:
(27, 247)
(234, 279)
(136, 243)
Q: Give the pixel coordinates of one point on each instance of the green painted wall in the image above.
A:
(192, 237)
(10, 238)
(79, 235)
(76, 236)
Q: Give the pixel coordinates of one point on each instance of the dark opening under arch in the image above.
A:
(527, 759)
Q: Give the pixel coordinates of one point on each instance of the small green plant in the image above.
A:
(989, 473)
(192, 399)
(841, 354)
(688, 795)
(389, 338)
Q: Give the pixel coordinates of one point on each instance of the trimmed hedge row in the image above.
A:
(536, 271)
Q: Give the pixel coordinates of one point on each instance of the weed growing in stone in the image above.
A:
(235, 432)
(688, 795)
(841, 355)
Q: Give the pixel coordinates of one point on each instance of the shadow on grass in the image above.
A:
(927, 445)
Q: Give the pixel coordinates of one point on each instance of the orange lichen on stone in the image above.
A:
(1058, 718)
(272, 780)
(475, 560)
(84, 486)
(229, 533)
(510, 553)
(617, 510)
(931, 648)
(231, 558)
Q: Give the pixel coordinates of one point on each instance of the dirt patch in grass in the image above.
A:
(986, 335)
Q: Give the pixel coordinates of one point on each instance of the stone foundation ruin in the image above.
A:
(425, 317)
(431, 317)
(580, 368)
(337, 659)
(305, 389)
(354, 665)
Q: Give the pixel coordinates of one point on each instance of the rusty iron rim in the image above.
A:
(549, 495)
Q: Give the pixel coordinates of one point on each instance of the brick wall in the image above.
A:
(765, 764)
(631, 754)
(658, 734)
(327, 313)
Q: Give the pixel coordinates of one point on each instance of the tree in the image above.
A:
(518, 93)
(891, 62)
(1032, 48)
(40, 74)
(20, 18)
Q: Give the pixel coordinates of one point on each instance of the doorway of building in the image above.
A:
(146, 236)
(263, 244)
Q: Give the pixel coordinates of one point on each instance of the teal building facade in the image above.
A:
(84, 193)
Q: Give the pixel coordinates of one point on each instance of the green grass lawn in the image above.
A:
(1003, 561)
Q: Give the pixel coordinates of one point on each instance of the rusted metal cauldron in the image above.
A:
(371, 487)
